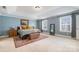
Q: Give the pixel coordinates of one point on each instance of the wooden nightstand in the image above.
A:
(12, 32)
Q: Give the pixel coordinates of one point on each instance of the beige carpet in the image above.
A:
(50, 44)
(19, 42)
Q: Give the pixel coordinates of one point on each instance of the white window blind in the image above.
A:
(65, 23)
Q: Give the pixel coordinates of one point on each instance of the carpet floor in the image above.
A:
(19, 42)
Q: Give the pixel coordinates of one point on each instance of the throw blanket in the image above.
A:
(28, 31)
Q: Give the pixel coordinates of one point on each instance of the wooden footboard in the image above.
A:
(34, 35)
(26, 37)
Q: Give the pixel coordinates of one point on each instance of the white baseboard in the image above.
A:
(63, 36)
(4, 36)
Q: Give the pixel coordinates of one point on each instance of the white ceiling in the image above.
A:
(31, 13)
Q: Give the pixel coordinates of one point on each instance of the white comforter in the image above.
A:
(28, 31)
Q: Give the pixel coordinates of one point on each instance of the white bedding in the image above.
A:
(28, 31)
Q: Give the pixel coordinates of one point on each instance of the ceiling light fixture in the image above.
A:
(37, 6)
(4, 7)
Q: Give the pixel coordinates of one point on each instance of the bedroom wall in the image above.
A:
(1, 25)
(32, 23)
(39, 24)
(7, 22)
(56, 21)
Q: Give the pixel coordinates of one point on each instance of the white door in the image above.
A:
(77, 27)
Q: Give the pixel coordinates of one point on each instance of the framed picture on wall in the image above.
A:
(24, 22)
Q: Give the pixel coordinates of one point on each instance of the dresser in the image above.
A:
(12, 32)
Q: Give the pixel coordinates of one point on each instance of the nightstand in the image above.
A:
(12, 32)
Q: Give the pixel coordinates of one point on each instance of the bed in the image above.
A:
(26, 32)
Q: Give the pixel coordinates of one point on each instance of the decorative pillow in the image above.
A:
(30, 27)
(23, 26)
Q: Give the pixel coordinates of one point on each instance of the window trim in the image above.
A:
(66, 24)
(46, 22)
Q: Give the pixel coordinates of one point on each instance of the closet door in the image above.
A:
(77, 27)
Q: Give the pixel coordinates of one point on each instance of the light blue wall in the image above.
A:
(7, 22)
(32, 23)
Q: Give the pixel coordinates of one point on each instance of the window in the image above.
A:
(44, 25)
(65, 23)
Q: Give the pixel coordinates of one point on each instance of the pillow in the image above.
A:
(28, 27)
(23, 27)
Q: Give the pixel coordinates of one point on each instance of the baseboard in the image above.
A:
(63, 36)
(4, 36)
